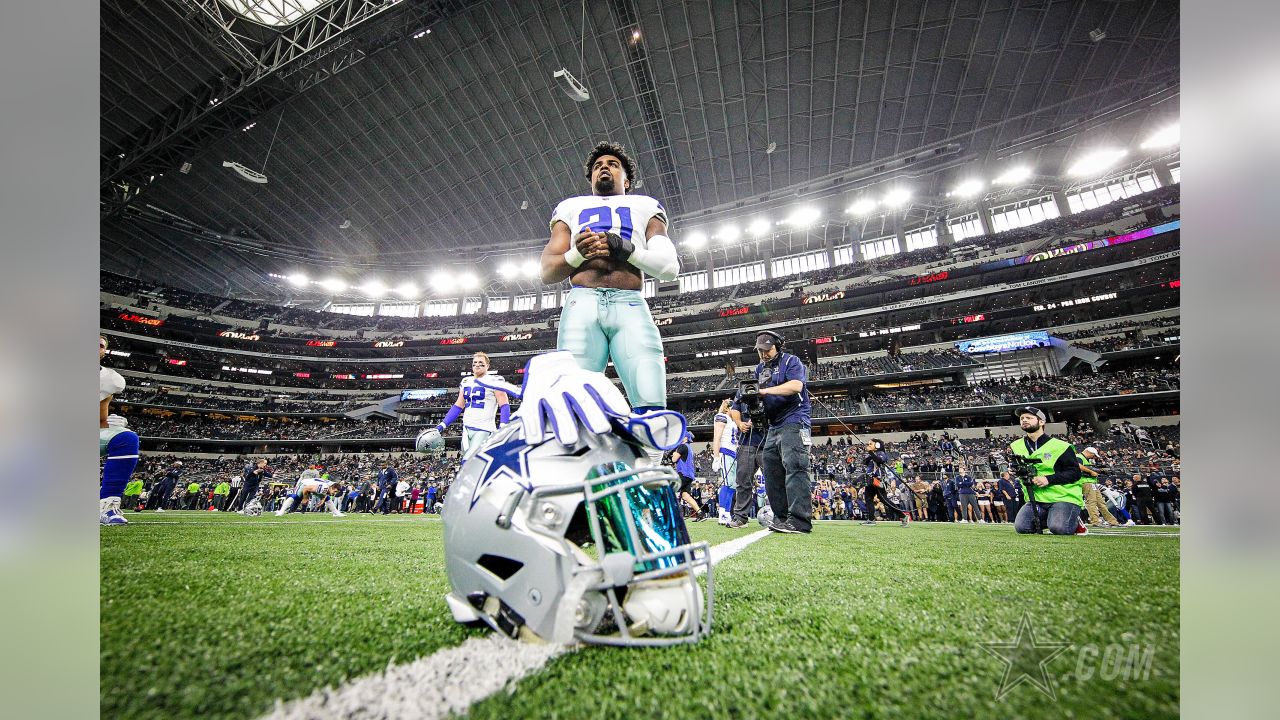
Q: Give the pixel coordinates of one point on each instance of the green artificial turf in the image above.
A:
(216, 616)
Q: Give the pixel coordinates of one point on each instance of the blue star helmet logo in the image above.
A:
(507, 459)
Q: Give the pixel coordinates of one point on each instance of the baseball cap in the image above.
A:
(1028, 410)
(1092, 449)
(766, 340)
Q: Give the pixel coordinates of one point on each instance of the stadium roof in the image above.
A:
(385, 146)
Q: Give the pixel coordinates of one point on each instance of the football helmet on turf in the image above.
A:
(253, 508)
(764, 516)
(583, 542)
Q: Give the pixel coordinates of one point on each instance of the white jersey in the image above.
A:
(110, 382)
(728, 436)
(480, 405)
(626, 215)
(311, 484)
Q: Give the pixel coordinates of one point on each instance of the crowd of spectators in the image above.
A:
(1139, 472)
(148, 294)
(1003, 391)
(420, 481)
(936, 469)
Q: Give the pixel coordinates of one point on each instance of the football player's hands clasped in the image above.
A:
(592, 244)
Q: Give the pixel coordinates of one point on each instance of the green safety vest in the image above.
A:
(222, 488)
(193, 488)
(1046, 457)
(133, 488)
(1085, 477)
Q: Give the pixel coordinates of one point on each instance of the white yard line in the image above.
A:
(449, 681)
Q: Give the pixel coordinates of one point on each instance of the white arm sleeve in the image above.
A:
(657, 257)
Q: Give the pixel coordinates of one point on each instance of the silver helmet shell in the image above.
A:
(584, 543)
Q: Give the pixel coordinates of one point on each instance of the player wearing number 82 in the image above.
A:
(475, 404)
(605, 243)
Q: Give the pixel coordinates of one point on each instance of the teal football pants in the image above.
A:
(602, 324)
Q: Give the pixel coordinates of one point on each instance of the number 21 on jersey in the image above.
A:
(601, 219)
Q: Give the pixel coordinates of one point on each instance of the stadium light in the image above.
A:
(507, 269)
(1096, 162)
(443, 282)
(804, 216)
(1013, 175)
(1163, 138)
(407, 290)
(531, 268)
(695, 240)
(468, 281)
(333, 285)
(373, 288)
(897, 197)
(298, 280)
(861, 206)
(968, 188)
(759, 227)
(728, 233)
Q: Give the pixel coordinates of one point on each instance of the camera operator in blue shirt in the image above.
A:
(780, 389)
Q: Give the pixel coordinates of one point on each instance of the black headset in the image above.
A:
(777, 339)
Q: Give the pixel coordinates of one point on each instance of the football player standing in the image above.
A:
(604, 243)
(116, 442)
(725, 442)
(475, 404)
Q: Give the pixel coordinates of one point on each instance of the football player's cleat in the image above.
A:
(109, 512)
(582, 543)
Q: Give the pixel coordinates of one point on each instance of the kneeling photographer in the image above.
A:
(1048, 468)
(778, 395)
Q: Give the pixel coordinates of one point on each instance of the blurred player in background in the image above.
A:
(725, 460)
(310, 482)
(116, 442)
(253, 477)
(476, 404)
(604, 243)
(879, 474)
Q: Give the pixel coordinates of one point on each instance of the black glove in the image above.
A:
(618, 247)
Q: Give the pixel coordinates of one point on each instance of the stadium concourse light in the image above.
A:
(333, 285)
(1013, 175)
(531, 268)
(695, 240)
(728, 233)
(407, 290)
(804, 216)
(373, 288)
(468, 281)
(1095, 162)
(298, 280)
(897, 197)
(1163, 138)
(861, 206)
(443, 282)
(968, 188)
(759, 227)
